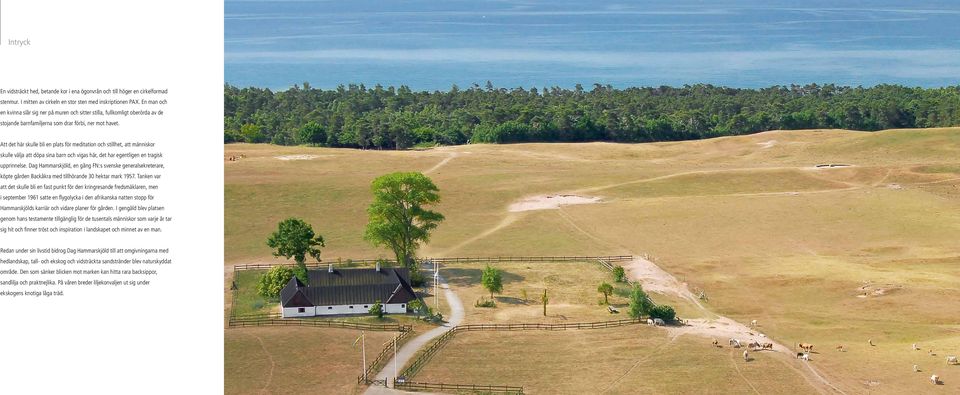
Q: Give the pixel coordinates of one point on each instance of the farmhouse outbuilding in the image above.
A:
(347, 291)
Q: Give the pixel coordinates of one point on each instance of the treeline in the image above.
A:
(397, 118)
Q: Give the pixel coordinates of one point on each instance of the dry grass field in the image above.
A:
(824, 255)
(293, 360)
(571, 288)
(632, 359)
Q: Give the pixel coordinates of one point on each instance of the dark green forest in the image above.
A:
(397, 118)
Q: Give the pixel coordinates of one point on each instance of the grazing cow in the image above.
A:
(735, 343)
(932, 354)
(916, 368)
(952, 360)
(915, 348)
(716, 342)
(935, 379)
(767, 346)
(806, 346)
(805, 357)
(840, 348)
(658, 322)
(746, 356)
(799, 355)
(754, 344)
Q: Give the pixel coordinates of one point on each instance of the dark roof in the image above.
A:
(349, 286)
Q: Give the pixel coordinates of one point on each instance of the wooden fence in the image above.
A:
(546, 327)
(245, 321)
(427, 353)
(359, 262)
(375, 365)
(443, 387)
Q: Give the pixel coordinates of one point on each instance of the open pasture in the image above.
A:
(824, 255)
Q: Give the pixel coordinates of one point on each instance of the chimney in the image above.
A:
(330, 268)
(378, 266)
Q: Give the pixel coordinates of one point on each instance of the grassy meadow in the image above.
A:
(286, 360)
(823, 255)
(631, 359)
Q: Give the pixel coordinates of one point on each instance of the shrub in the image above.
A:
(619, 275)
(417, 279)
(377, 309)
(485, 303)
(273, 281)
(663, 312)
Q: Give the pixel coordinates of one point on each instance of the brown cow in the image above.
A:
(806, 346)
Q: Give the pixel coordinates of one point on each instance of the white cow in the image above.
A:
(649, 321)
(935, 379)
(658, 322)
(952, 360)
(746, 356)
(916, 368)
(735, 343)
(753, 323)
(915, 348)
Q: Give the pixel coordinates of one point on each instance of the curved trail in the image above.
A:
(505, 222)
(685, 173)
(657, 280)
(617, 381)
(272, 365)
(733, 361)
(442, 163)
(405, 353)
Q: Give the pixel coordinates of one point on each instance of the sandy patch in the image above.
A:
(551, 202)
(297, 157)
(767, 144)
(655, 279)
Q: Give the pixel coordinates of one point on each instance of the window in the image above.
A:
(351, 307)
(329, 307)
(403, 306)
(366, 307)
(301, 310)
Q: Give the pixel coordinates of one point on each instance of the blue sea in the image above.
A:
(432, 45)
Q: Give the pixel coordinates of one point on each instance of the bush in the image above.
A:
(417, 279)
(273, 281)
(663, 312)
(619, 275)
(377, 309)
(485, 303)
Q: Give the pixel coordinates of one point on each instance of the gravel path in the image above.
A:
(405, 353)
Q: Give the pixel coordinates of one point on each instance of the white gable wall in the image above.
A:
(397, 308)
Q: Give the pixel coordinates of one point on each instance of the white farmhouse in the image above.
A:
(347, 291)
